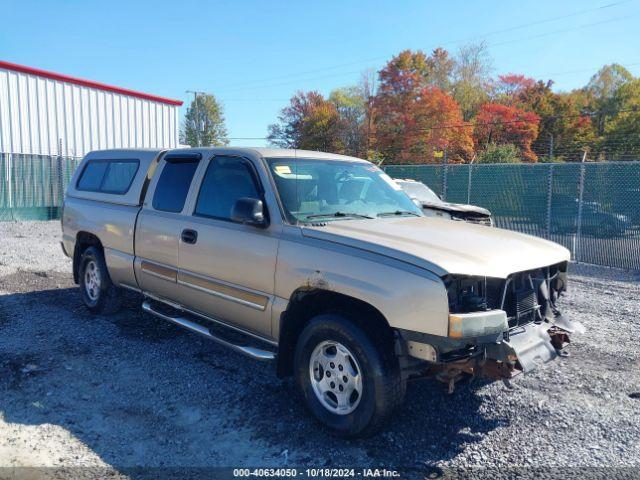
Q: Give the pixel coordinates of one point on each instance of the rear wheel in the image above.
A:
(98, 292)
(350, 382)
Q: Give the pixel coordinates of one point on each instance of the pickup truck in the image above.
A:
(318, 262)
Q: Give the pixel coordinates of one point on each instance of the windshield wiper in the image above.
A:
(338, 215)
(398, 212)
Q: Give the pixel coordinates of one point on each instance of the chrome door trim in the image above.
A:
(223, 290)
(159, 270)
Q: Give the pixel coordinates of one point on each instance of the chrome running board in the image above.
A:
(253, 352)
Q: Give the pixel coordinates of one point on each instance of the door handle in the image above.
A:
(189, 236)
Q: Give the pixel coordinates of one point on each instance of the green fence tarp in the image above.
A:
(593, 209)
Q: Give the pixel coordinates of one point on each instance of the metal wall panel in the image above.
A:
(45, 116)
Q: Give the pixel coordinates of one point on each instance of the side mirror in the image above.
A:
(249, 211)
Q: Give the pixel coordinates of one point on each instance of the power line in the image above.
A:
(494, 123)
(549, 20)
(247, 138)
(291, 82)
(506, 122)
(564, 30)
(580, 70)
(257, 84)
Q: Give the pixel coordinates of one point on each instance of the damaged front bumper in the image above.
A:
(498, 357)
(530, 346)
(499, 327)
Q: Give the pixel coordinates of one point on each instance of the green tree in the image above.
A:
(352, 104)
(622, 133)
(440, 69)
(606, 82)
(204, 123)
(602, 88)
(471, 78)
(504, 153)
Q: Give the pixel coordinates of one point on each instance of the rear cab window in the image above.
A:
(108, 176)
(174, 182)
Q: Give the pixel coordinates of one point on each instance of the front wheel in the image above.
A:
(350, 382)
(98, 292)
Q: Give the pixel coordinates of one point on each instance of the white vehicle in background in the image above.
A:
(433, 206)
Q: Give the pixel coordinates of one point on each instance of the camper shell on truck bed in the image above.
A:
(108, 214)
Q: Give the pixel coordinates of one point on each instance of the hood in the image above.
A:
(456, 208)
(442, 246)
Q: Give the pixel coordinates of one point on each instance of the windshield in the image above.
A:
(419, 191)
(322, 190)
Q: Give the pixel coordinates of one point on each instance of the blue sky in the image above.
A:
(255, 54)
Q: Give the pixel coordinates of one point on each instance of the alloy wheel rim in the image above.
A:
(336, 377)
(92, 280)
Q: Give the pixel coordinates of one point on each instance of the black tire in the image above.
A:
(382, 385)
(106, 299)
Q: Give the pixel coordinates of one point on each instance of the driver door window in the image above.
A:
(227, 180)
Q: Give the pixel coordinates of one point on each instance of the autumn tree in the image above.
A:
(204, 123)
(503, 124)
(565, 128)
(410, 114)
(309, 122)
(508, 89)
(405, 74)
(400, 83)
(440, 127)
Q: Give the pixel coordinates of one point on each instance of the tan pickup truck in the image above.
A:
(321, 263)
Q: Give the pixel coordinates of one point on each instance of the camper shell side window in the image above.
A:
(108, 176)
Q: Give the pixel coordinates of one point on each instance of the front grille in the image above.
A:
(526, 301)
(521, 295)
(521, 298)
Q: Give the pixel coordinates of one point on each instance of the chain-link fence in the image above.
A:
(32, 186)
(593, 209)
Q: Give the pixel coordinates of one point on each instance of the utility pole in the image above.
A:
(197, 122)
(469, 179)
(578, 249)
(551, 148)
(444, 174)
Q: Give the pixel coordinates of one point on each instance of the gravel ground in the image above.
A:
(130, 390)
